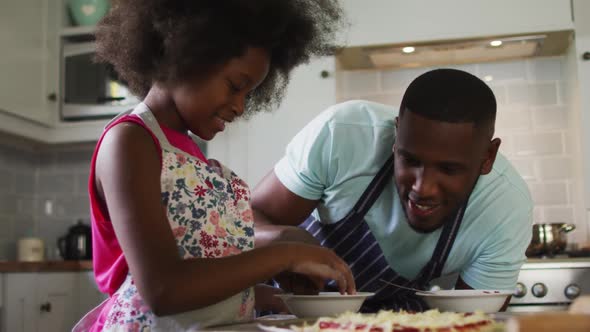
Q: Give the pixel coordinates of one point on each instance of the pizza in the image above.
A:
(402, 321)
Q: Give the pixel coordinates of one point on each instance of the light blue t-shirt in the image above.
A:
(335, 157)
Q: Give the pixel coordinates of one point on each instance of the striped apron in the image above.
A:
(353, 241)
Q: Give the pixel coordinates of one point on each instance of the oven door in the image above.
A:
(550, 284)
(537, 307)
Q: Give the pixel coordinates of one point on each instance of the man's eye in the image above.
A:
(410, 161)
(450, 170)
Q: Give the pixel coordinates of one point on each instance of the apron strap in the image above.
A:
(373, 191)
(444, 246)
(324, 232)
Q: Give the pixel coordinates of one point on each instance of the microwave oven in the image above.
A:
(90, 90)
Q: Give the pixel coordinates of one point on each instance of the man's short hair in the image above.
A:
(451, 95)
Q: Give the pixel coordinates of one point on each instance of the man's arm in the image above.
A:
(278, 212)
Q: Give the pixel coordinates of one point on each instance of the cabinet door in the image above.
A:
(57, 301)
(26, 39)
(88, 296)
(398, 21)
(20, 302)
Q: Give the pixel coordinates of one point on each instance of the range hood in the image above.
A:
(453, 52)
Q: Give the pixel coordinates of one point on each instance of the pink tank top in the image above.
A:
(110, 266)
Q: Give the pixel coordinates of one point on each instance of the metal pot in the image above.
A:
(549, 239)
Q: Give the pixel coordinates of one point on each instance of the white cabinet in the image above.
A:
(376, 22)
(21, 305)
(88, 294)
(57, 301)
(27, 73)
(51, 301)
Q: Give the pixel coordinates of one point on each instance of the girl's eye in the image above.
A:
(234, 88)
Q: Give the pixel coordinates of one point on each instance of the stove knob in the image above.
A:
(520, 290)
(572, 291)
(539, 289)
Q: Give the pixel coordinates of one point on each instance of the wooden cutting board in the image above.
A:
(549, 322)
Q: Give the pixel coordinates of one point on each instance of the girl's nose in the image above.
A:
(239, 105)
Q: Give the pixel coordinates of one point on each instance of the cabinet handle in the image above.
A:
(586, 56)
(324, 74)
(52, 97)
(46, 307)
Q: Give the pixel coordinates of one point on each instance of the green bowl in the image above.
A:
(88, 12)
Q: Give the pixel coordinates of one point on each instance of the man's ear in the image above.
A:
(491, 153)
(395, 123)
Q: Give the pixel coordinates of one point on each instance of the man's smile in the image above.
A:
(422, 210)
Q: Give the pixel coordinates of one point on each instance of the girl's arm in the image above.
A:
(128, 181)
(267, 301)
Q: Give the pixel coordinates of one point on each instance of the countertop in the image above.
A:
(45, 266)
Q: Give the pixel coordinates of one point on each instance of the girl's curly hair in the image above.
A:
(170, 41)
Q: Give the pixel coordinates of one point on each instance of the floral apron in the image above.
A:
(210, 216)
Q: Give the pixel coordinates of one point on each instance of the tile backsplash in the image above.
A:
(535, 120)
(43, 194)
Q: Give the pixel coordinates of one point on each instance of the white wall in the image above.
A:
(251, 148)
(582, 44)
(536, 120)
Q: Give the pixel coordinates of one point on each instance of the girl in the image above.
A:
(173, 236)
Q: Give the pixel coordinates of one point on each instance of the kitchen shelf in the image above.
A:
(78, 33)
(45, 266)
(78, 30)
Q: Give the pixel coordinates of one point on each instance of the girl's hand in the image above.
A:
(297, 284)
(320, 264)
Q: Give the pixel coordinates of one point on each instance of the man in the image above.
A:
(405, 198)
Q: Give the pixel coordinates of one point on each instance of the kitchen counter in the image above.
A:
(45, 266)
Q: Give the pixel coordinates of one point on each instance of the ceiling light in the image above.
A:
(408, 49)
(496, 43)
(488, 78)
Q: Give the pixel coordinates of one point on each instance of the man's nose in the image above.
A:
(424, 185)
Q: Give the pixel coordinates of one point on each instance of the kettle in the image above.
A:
(77, 243)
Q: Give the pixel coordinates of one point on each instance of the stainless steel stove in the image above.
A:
(550, 284)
